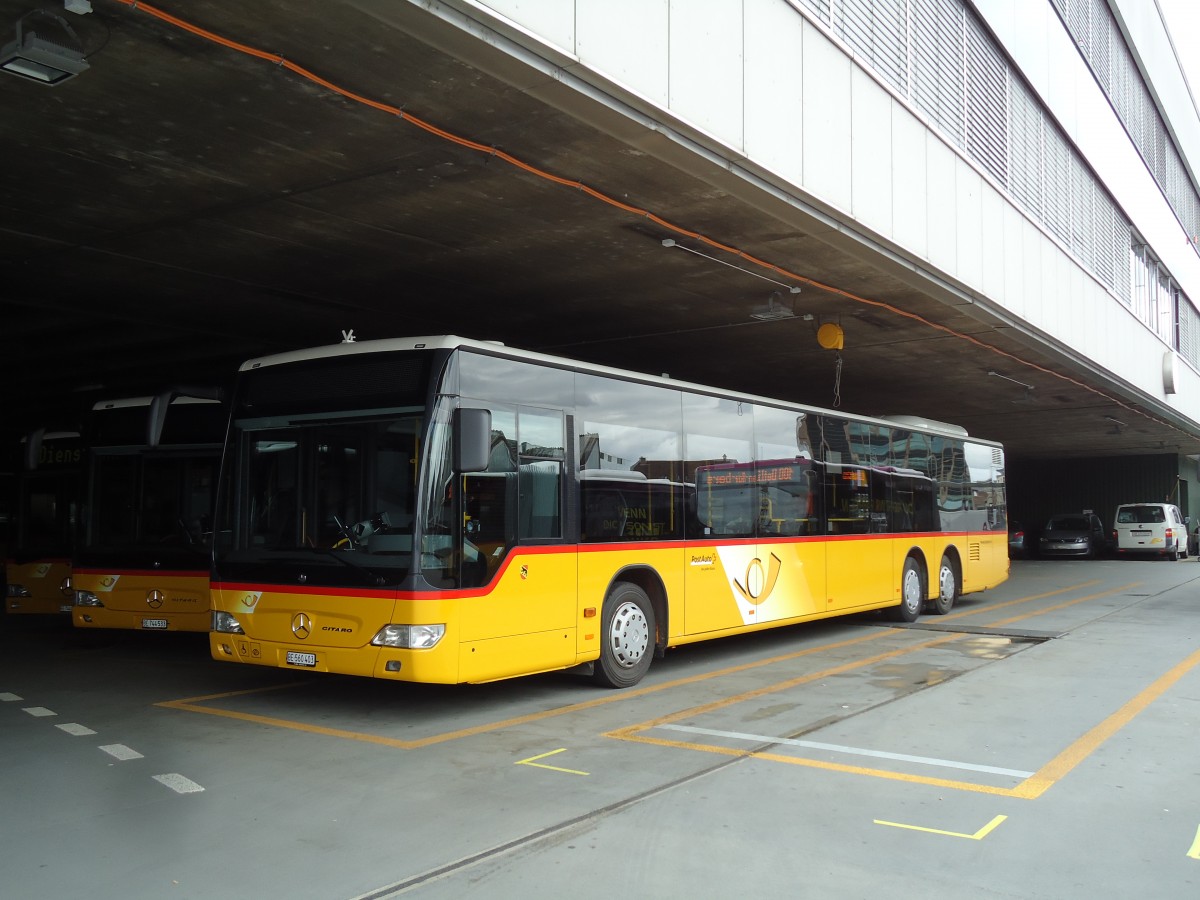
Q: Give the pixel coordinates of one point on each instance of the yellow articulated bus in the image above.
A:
(439, 509)
(143, 558)
(42, 530)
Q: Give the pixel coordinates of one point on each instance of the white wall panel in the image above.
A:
(774, 64)
(826, 99)
(968, 186)
(992, 237)
(909, 202)
(1031, 302)
(706, 66)
(871, 125)
(942, 222)
(627, 41)
(1060, 298)
(553, 22)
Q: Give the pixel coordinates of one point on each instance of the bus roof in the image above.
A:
(497, 348)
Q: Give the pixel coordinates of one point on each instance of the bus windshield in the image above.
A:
(337, 493)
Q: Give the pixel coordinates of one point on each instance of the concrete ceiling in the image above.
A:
(182, 206)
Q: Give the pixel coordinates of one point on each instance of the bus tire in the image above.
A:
(948, 589)
(627, 633)
(912, 593)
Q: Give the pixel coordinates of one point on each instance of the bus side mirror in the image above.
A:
(472, 439)
(33, 449)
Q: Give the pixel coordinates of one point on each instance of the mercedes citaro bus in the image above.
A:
(142, 560)
(438, 509)
(42, 523)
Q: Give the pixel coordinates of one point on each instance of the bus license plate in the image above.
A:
(159, 624)
(296, 658)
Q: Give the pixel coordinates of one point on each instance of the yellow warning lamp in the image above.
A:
(830, 336)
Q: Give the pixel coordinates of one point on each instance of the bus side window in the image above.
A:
(604, 513)
(847, 500)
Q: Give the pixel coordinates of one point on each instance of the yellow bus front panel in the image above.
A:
(38, 586)
(141, 600)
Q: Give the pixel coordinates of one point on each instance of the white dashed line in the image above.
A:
(40, 711)
(9, 698)
(75, 728)
(120, 751)
(178, 783)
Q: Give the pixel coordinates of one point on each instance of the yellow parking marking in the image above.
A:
(1081, 749)
(1029, 789)
(194, 704)
(992, 607)
(977, 836)
(1194, 853)
(537, 765)
(1048, 609)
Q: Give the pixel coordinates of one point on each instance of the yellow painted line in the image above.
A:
(1194, 853)
(992, 607)
(977, 836)
(1048, 609)
(818, 764)
(1029, 789)
(1033, 787)
(532, 761)
(193, 704)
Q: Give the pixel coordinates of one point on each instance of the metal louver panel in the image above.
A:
(937, 75)
(1025, 147)
(986, 103)
(877, 31)
(939, 55)
(1056, 182)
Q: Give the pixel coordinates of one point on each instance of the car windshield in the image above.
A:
(1141, 515)
(1067, 523)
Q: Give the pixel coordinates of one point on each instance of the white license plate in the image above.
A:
(296, 658)
(66, 608)
(159, 624)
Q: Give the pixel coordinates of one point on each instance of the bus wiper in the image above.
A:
(341, 557)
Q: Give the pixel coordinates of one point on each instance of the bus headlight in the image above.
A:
(409, 637)
(19, 590)
(225, 623)
(87, 598)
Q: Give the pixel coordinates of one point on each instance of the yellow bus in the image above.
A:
(142, 561)
(439, 509)
(41, 534)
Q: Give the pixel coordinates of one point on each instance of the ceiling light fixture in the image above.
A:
(38, 58)
(775, 308)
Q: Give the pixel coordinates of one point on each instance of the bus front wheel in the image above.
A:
(627, 637)
(912, 592)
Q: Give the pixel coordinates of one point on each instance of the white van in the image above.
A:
(1150, 528)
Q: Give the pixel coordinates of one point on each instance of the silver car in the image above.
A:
(1073, 534)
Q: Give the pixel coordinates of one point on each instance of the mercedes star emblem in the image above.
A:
(302, 625)
(155, 598)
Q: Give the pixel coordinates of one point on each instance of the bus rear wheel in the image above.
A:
(912, 593)
(948, 589)
(627, 633)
